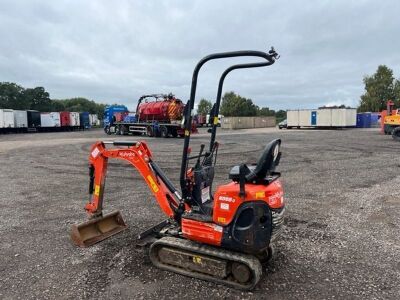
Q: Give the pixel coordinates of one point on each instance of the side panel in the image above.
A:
(292, 118)
(1, 118)
(56, 118)
(324, 117)
(305, 117)
(84, 119)
(348, 117)
(74, 119)
(65, 118)
(20, 119)
(8, 116)
(339, 117)
(46, 120)
(351, 117)
(208, 233)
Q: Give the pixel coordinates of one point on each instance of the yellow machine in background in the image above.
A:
(390, 121)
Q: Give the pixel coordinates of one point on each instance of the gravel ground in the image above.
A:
(341, 238)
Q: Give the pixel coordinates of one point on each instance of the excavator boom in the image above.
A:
(100, 227)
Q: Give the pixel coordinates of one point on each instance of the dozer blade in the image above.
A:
(96, 230)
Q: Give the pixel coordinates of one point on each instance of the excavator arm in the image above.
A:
(139, 156)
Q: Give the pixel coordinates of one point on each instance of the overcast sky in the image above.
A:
(115, 51)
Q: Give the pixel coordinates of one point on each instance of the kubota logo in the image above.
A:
(127, 154)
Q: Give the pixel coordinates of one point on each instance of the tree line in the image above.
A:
(234, 105)
(379, 88)
(14, 96)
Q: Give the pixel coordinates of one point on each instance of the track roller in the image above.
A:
(185, 257)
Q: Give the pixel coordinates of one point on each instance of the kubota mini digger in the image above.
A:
(220, 236)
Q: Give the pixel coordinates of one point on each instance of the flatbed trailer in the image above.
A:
(153, 129)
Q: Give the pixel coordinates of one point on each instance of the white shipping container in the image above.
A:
(325, 117)
(51, 119)
(74, 119)
(6, 118)
(20, 119)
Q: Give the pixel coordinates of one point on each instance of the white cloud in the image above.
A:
(114, 51)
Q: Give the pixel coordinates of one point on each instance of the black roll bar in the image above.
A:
(270, 57)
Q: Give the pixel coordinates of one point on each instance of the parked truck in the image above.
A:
(156, 115)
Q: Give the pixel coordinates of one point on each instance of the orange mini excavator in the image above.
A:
(222, 236)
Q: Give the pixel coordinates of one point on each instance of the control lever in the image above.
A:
(201, 152)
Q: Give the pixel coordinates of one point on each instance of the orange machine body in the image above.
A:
(226, 204)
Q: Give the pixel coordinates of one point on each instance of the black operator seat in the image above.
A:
(265, 166)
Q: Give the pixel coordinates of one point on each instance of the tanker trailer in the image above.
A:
(156, 115)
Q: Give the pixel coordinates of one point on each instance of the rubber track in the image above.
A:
(252, 262)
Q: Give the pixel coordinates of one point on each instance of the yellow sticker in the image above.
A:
(197, 260)
(97, 190)
(216, 120)
(187, 132)
(260, 195)
(153, 184)
(221, 219)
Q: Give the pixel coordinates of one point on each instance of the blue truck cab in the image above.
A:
(109, 113)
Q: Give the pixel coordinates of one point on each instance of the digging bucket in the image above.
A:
(96, 230)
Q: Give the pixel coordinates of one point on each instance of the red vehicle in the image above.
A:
(222, 237)
(156, 115)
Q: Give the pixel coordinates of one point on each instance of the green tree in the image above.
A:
(280, 115)
(234, 105)
(204, 107)
(12, 96)
(379, 88)
(265, 111)
(80, 104)
(38, 99)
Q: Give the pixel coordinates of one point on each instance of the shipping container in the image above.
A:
(33, 119)
(20, 119)
(323, 117)
(51, 119)
(363, 120)
(74, 119)
(247, 122)
(65, 119)
(6, 118)
(84, 120)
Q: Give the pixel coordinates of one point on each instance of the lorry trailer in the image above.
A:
(21, 121)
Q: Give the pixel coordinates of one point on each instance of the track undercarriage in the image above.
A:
(170, 252)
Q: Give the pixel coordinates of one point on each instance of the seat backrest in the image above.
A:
(267, 162)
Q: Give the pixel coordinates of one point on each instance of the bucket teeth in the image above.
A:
(93, 231)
